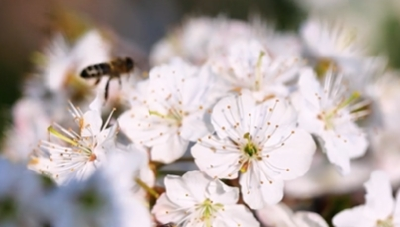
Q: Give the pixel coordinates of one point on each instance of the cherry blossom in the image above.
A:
(329, 112)
(259, 141)
(198, 200)
(77, 154)
(171, 115)
(380, 208)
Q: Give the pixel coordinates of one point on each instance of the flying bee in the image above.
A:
(112, 69)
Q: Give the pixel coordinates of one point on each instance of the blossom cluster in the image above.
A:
(231, 117)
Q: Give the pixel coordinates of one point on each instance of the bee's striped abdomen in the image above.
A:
(97, 70)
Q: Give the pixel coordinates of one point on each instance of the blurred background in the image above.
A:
(27, 26)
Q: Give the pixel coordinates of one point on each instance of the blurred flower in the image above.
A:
(260, 141)
(104, 199)
(30, 121)
(22, 197)
(61, 64)
(324, 179)
(248, 65)
(384, 139)
(135, 164)
(280, 215)
(324, 39)
(200, 38)
(198, 200)
(380, 208)
(176, 99)
(329, 113)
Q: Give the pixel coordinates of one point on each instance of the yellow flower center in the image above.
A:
(208, 211)
(385, 223)
(327, 117)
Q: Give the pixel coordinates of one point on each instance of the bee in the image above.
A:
(112, 69)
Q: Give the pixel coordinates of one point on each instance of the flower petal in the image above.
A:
(306, 219)
(187, 190)
(217, 158)
(293, 159)
(219, 192)
(229, 112)
(379, 199)
(236, 215)
(166, 211)
(91, 124)
(354, 217)
(169, 151)
(258, 189)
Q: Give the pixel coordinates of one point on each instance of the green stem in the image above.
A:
(147, 188)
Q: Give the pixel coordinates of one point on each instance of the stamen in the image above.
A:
(57, 134)
(108, 119)
(354, 96)
(259, 76)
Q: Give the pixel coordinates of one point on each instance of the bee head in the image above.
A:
(129, 63)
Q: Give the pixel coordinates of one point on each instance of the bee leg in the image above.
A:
(106, 90)
(97, 81)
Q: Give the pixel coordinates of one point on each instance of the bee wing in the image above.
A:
(124, 47)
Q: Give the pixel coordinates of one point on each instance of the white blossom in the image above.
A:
(76, 154)
(201, 37)
(384, 138)
(248, 65)
(324, 39)
(329, 112)
(260, 141)
(135, 164)
(282, 216)
(324, 179)
(380, 208)
(171, 115)
(198, 200)
(63, 62)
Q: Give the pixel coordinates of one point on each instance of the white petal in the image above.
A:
(219, 192)
(229, 112)
(379, 199)
(197, 183)
(187, 190)
(211, 157)
(258, 189)
(166, 211)
(354, 217)
(145, 129)
(307, 219)
(276, 215)
(308, 86)
(91, 124)
(193, 128)
(170, 151)
(293, 159)
(352, 139)
(339, 158)
(236, 215)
